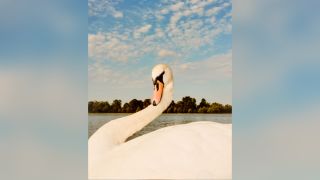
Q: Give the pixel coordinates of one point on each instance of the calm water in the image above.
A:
(97, 120)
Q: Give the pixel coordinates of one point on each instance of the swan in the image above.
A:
(196, 150)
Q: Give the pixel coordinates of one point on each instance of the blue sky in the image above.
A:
(127, 38)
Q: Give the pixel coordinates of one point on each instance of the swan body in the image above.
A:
(195, 150)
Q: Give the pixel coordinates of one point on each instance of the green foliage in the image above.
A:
(186, 105)
(203, 104)
(146, 103)
(116, 106)
(203, 110)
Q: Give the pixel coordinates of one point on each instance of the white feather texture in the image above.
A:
(193, 151)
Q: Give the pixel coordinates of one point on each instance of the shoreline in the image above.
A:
(162, 113)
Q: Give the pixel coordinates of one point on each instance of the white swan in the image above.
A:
(195, 150)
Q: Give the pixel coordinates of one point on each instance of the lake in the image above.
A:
(96, 120)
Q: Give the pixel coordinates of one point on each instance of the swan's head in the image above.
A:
(162, 82)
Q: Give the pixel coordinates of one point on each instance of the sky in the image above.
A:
(127, 38)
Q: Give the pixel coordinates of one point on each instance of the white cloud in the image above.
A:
(159, 17)
(159, 33)
(95, 38)
(186, 66)
(144, 29)
(213, 11)
(198, 10)
(187, 12)
(166, 53)
(120, 78)
(117, 14)
(215, 67)
(141, 30)
(174, 19)
(226, 4)
(177, 6)
(164, 11)
(194, 1)
(213, 20)
(198, 3)
(103, 8)
(107, 47)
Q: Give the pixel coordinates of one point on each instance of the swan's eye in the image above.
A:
(159, 78)
(155, 81)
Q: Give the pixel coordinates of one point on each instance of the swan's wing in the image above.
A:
(194, 150)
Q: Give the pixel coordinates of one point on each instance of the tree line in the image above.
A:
(186, 105)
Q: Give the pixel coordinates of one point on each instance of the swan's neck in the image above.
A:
(129, 125)
(117, 131)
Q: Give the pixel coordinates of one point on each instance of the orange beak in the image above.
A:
(157, 93)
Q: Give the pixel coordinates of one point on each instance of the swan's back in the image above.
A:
(195, 150)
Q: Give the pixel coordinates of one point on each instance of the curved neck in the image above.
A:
(117, 131)
(129, 125)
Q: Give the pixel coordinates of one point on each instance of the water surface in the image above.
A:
(96, 120)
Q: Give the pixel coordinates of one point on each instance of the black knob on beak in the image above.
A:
(154, 103)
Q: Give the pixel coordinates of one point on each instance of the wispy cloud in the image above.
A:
(117, 78)
(103, 47)
(141, 30)
(177, 6)
(212, 68)
(103, 8)
(189, 26)
(165, 52)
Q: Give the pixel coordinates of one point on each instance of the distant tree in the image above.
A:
(100, 107)
(146, 103)
(140, 105)
(227, 108)
(203, 104)
(135, 104)
(215, 108)
(179, 107)
(170, 108)
(189, 105)
(138, 109)
(90, 106)
(126, 108)
(94, 107)
(105, 107)
(116, 106)
(186, 105)
(203, 110)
